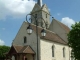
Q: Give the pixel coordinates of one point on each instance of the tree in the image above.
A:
(3, 49)
(74, 40)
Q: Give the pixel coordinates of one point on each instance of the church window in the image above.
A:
(63, 52)
(25, 39)
(53, 51)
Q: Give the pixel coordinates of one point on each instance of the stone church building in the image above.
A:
(52, 46)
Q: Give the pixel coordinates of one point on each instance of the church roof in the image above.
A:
(66, 28)
(36, 8)
(51, 36)
(45, 8)
(26, 49)
(21, 49)
(17, 48)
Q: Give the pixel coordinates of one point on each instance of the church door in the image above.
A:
(25, 58)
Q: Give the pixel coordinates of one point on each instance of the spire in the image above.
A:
(39, 2)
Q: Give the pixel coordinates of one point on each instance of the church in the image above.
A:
(34, 44)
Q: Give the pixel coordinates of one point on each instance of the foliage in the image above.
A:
(3, 50)
(74, 40)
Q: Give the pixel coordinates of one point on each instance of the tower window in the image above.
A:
(46, 15)
(46, 26)
(41, 24)
(35, 15)
(25, 39)
(63, 52)
(53, 51)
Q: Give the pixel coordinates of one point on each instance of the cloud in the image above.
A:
(2, 42)
(68, 21)
(15, 8)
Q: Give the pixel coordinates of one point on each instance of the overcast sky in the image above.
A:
(13, 12)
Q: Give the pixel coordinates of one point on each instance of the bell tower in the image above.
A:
(42, 13)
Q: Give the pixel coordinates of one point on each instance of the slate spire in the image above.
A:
(39, 2)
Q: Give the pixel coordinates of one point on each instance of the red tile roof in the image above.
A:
(51, 36)
(26, 49)
(21, 49)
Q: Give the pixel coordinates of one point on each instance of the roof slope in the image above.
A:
(17, 48)
(45, 8)
(26, 49)
(66, 28)
(49, 35)
(36, 8)
(21, 49)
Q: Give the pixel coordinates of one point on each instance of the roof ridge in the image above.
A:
(51, 31)
(17, 46)
(61, 38)
(15, 49)
(25, 48)
(43, 6)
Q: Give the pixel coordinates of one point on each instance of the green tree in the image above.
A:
(3, 49)
(74, 40)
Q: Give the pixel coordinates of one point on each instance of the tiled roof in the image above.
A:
(22, 49)
(67, 29)
(26, 49)
(51, 36)
(17, 48)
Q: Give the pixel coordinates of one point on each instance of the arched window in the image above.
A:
(63, 52)
(53, 51)
(25, 39)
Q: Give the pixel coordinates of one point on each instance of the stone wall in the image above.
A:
(46, 50)
(31, 39)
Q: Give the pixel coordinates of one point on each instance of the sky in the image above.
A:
(13, 13)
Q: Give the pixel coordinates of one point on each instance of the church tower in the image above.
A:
(42, 15)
